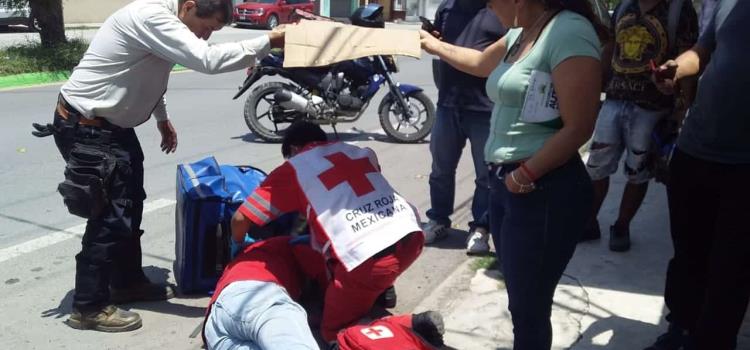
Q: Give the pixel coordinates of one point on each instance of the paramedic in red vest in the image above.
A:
(367, 233)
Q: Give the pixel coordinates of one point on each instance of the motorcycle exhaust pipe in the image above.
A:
(291, 100)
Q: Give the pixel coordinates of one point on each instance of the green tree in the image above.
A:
(49, 16)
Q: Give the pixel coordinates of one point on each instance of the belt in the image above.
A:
(65, 111)
(506, 165)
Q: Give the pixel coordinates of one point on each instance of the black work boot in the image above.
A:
(619, 238)
(429, 325)
(146, 291)
(109, 318)
(676, 338)
(387, 299)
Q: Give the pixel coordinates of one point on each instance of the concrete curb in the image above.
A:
(443, 297)
(474, 308)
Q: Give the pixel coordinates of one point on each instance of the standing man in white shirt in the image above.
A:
(119, 84)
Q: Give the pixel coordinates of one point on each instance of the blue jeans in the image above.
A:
(448, 138)
(537, 234)
(254, 315)
(623, 126)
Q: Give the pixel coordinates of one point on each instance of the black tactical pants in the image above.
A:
(111, 249)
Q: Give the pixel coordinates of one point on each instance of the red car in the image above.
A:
(269, 13)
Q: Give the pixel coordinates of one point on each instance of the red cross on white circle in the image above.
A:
(377, 332)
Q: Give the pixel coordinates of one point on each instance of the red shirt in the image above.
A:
(270, 260)
(280, 193)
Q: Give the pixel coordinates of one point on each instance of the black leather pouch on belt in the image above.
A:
(87, 176)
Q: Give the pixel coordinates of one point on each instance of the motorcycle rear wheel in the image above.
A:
(411, 130)
(273, 120)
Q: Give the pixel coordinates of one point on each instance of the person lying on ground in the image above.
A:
(256, 306)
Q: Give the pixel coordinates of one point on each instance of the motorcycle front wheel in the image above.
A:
(264, 117)
(407, 129)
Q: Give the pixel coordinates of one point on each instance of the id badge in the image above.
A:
(540, 104)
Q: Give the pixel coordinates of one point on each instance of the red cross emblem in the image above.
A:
(377, 332)
(353, 171)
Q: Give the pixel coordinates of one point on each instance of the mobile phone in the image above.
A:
(427, 26)
(661, 75)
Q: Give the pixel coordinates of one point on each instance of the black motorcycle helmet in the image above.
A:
(370, 16)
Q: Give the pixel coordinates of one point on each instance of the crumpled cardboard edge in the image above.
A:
(317, 43)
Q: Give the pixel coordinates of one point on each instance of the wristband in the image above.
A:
(526, 171)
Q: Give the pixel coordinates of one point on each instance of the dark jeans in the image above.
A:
(708, 280)
(111, 247)
(537, 234)
(447, 140)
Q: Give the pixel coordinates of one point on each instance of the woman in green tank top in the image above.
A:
(545, 80)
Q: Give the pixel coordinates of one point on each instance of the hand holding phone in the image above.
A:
(427, 26)
(662, 74)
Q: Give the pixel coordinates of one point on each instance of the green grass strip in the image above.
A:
(39, 78)
(31, 79)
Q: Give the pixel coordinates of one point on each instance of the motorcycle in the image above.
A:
(339, 93)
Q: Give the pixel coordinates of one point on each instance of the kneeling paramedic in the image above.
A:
(366, 232)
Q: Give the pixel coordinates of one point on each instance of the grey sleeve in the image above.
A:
(166, 36)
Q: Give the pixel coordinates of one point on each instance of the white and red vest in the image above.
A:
(358, 210)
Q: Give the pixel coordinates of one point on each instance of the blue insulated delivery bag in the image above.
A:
(207, 196)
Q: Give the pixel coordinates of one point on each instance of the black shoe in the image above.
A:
(146, 291)
(619, 239)
(387, 299)
(429, 325)
(675, 338)
(592, 232)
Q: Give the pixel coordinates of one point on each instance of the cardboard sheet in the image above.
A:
(319, 43)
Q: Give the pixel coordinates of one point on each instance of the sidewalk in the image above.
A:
(605, 300)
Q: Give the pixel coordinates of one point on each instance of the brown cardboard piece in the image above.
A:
(319, 43)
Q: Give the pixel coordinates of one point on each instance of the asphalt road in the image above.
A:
(38, 238)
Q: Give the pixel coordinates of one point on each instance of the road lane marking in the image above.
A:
(60, 236)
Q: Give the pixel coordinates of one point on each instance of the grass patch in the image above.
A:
(485, 262)
(33, 58)
(31, 64)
